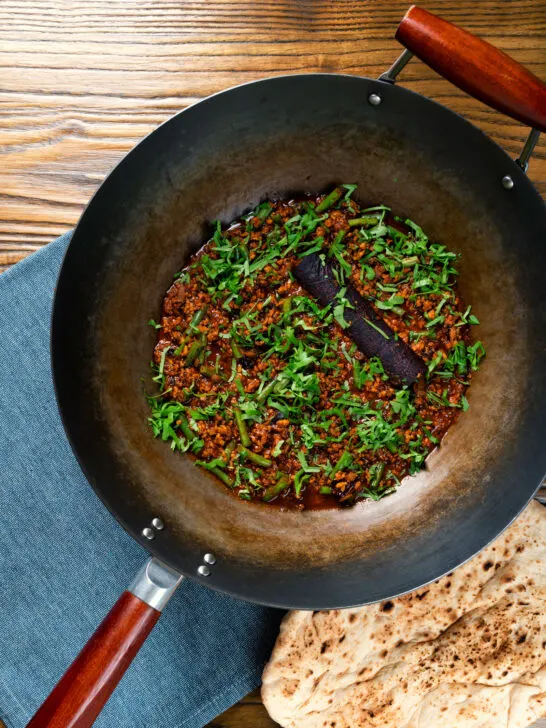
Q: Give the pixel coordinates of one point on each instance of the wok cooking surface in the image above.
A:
(219, 158)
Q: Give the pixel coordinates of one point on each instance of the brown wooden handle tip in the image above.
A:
(475, 66)
(84, 689)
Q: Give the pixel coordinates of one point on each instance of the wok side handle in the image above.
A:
(82, 692)
(475, 66)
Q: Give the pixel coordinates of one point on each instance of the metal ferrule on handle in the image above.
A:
(155, 584)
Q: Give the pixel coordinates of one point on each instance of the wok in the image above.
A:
(216, 160)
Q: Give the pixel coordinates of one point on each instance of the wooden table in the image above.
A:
(83, 81)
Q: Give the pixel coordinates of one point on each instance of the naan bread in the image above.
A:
(468, 651)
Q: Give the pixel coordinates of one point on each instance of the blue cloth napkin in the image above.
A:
(64, 560)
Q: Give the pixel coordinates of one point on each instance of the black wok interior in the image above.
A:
(217, 160)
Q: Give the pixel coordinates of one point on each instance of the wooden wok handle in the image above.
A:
(84, 689)
(475, 66)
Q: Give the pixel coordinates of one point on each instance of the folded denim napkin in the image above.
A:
(64, 560)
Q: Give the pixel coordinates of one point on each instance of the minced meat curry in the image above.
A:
(268, 387)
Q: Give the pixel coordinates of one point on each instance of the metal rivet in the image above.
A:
(374, 99)
(158, 524)
(209, 559)
(507, 182)
(148, 533)
(203, 570)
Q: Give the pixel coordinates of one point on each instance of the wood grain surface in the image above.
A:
(81, 82)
